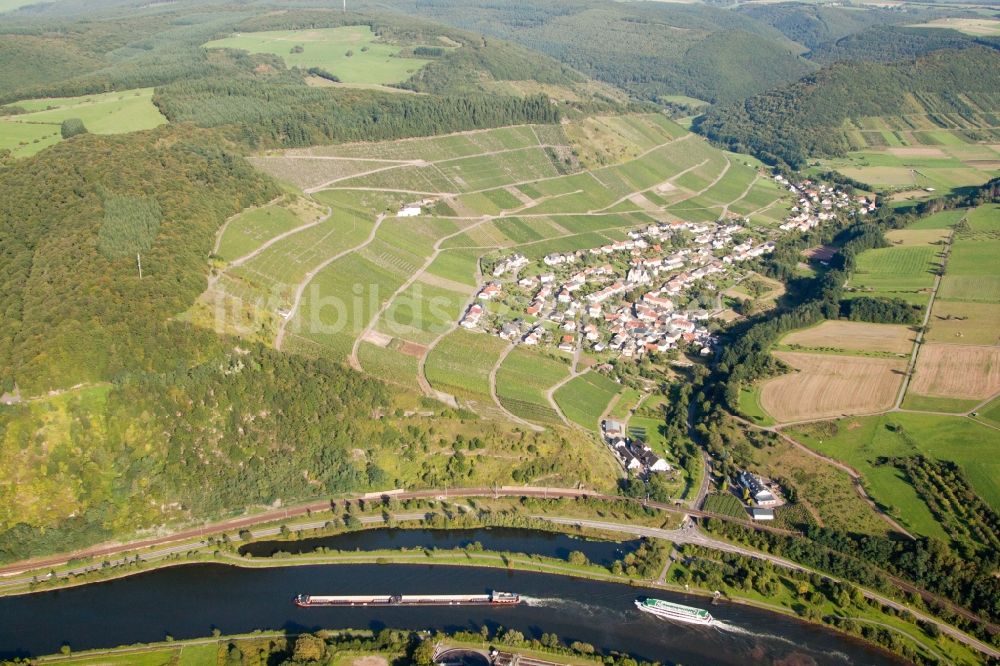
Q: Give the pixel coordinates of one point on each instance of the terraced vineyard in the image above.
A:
(340, 275)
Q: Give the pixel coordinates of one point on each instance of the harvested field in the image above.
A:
(915, 151)
(957, 371)
(820, 253)
(827, 385)
(854, 336)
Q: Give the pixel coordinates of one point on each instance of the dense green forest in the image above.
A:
(72, 313)
(274, 108)
(648, 49)
(887, 43)
(805, 119)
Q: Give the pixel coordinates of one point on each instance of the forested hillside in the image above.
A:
(888, 43)
(648, 49)
(806, 118)
(274, 108)
(245, 427)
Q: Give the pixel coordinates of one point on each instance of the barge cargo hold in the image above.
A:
(491, 599)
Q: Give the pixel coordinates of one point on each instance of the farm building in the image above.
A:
(758, 491)
(762, 514)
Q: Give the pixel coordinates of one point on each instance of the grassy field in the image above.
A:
(584, 398)
(110, 113)
(826, 492)
(902, 271)
(826, 385)
(923, 403)
(916, 154)
(943, 220)
(979, 27)
(861, 441)
(751, 408)
(964, 323)
(352, 53)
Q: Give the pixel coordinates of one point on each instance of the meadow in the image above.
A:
(26, 134)
(979, 27)
(919, 155)
(351, 53)
(828, 493)
(861, 441)
(903, 271)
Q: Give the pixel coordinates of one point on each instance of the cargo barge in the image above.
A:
(492, 599)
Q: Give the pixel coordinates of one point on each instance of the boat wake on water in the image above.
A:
(555, 602)
(734, 629)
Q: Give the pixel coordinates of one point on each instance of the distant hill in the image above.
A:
(888, 43)
(811, 25)
(649, 49)
(807, 118)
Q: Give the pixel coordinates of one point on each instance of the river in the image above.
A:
(190, 600)
(497, 539)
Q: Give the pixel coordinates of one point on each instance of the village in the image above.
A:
(654, 291)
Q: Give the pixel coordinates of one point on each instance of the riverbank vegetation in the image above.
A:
(345, 647)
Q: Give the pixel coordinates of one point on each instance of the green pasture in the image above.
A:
(622, 409)
(943, 220)
(352, 53)
(926, 403)
(108, 113)
(584, 398)
(860, 441)
(984, 218)
(958, 163)
(990, 413)
(27, 139)
(749, 403)
(522, 380)
(973, 274)
(904, 271)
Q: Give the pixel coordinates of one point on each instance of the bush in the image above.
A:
(72, 127)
